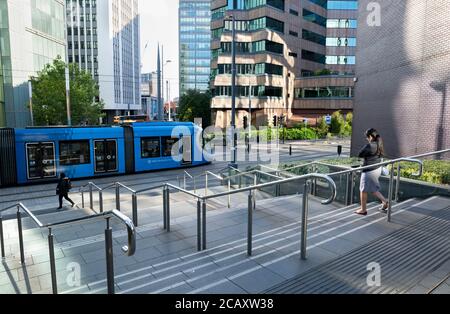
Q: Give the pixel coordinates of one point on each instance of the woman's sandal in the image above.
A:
(361, 214)
(384, 208)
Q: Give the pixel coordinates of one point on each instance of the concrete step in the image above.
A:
(169, 263)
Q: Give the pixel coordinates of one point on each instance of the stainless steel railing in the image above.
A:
(129, 249)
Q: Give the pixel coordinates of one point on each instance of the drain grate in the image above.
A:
(405, 257)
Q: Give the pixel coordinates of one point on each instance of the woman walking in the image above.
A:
(372, 154)
(62, 190)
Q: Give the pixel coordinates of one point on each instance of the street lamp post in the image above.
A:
(30, 91)
(233, 91)
(69, 116)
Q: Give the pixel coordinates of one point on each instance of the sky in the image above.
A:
(159, 23)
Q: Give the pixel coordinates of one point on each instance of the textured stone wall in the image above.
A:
(403, 72)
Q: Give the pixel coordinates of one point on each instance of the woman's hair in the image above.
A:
(62, 175)
(377, 138)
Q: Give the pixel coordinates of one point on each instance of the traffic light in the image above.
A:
(275, 121)
(245, 122)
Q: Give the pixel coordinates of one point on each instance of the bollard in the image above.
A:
(100, 200)
(339, 150)
(250, 224)
(304, 221)
(109, 258)
(397, 185)
(168, 209)
(51, 249)
(164, 208)
(134, 209)
(290, 150)
(199, 228)
(118, 197)
(91, 199)
(204, 224)
(391, 183)
(2, 244)
(19, 227)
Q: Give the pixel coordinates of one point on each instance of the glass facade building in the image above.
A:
(31, 36)
(293, 58)
(103, 39)
(194, 40)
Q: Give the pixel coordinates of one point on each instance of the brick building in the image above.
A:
(403, 76)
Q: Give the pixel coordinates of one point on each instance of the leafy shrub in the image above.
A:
(434, 171)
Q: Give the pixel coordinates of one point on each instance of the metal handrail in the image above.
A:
(20, 206)
(129, 250)
(188, 174)
(283, 181)
(214, 175)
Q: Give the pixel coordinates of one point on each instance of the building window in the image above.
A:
(342, 23)
(341, 60)
(322, 3)
(324, 92)
(314, 18)
(341, 42)
(313, 56)
(343, 5)
(314, 37)
(292, 33)
(150, 147)
(74, 153)
(293, 12)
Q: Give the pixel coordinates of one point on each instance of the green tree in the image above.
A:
(49, 96)
(323, 128)
(193, 105)
(337, 123)
(348, 127)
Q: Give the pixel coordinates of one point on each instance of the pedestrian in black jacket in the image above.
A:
(372, 154)
(62, 190)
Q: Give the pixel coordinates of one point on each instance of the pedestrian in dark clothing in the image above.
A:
(372, 154)
(62, 190)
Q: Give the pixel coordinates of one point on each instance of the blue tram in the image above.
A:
(37, 155)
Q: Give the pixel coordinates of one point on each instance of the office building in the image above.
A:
(149, 95)
(294, 59)
(403, 76)
(194, 42)
(104, 39)
(31, 36)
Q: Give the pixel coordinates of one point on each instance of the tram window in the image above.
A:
(150, 147)
(167, 144)
(74, 153)
(41, 160)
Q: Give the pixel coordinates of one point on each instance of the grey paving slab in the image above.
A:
(227, 287)
(443, 289)
(418, 289)
(266, 279)
(149, 285)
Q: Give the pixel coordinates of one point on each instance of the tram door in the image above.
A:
(187, 149)
(41, 160)
(105, 156)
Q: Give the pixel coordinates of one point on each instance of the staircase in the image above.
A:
(338, 242)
